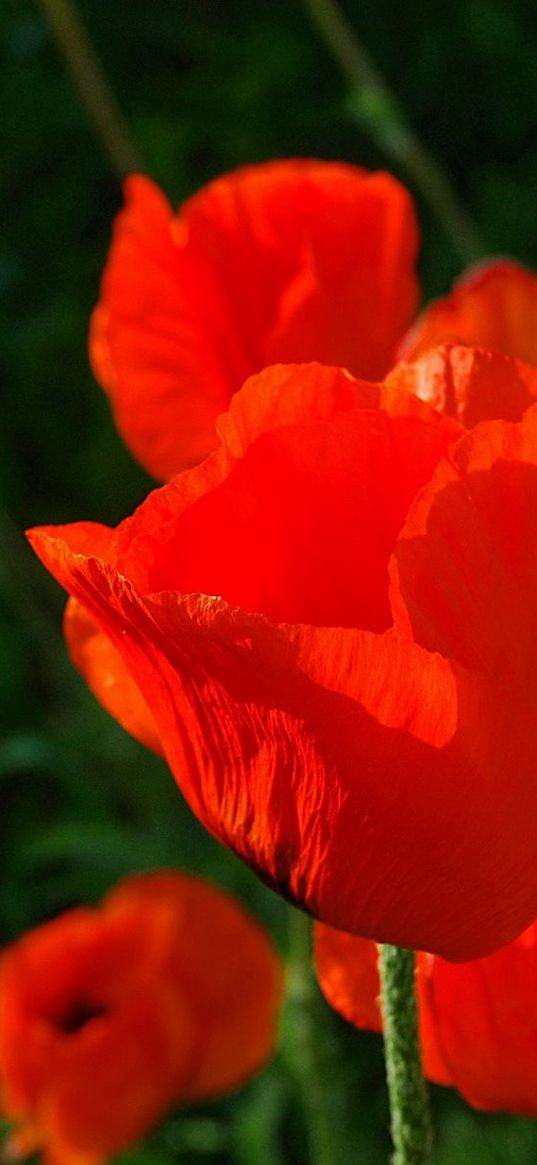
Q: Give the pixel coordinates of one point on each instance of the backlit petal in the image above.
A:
(106, 675)
(469, 384)
(287, 261)
(493, 306)
(485, 1017)
(293, 518)
(347, 970)
(465, 565)
(299, 747)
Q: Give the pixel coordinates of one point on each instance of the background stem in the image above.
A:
(409, 1105)
(92, 85)
(376, 107)
(305, 1053)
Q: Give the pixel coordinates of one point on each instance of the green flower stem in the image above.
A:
(302, 1040)
(409, 1106)
(374, 105)
(93, 87)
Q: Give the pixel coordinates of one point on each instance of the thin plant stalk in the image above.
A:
(92, 84)
(304, 1051)
(409, 1103)
(374, 105)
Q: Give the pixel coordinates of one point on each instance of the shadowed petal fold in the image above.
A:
(468, 384)
(465, 565)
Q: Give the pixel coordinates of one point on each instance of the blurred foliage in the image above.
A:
(205, 85)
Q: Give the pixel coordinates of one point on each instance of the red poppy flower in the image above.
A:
(287, 261)
(168, 992)
(367, 746)
(493, 306)
(477, 1020)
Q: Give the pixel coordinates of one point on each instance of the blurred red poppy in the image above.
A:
(477, 1020)
(286, 261)
(168, 992)
(355, 714)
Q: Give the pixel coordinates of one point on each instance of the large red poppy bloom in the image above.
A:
(287, 261)
(477, 1020)
(168, 992)
(354, 712)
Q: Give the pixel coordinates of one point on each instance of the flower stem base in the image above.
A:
(409, 1106)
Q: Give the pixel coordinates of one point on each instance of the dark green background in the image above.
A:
(204, 86)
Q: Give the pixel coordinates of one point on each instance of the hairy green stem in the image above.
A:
(409, 1105)
(377, 109)
(93, 87)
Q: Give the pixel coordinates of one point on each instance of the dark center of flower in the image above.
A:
(80, 1013)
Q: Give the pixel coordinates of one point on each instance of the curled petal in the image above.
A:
(106, 675)
(286, 261)
(493, 306)
(298, 746)
(468, 384)
(148, 341)
(292, 517)
(465, 566)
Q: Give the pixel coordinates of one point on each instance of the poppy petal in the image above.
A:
(355, 288)
(105, 673)
(292, 518)
(293, 260)
(298, 746)
(493, 306)
(477, 1020)
(266, 725)
(347, 970)
(233, 1011)
(464, 570)
(148, 346)
(468, 384)
(486, 1022)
